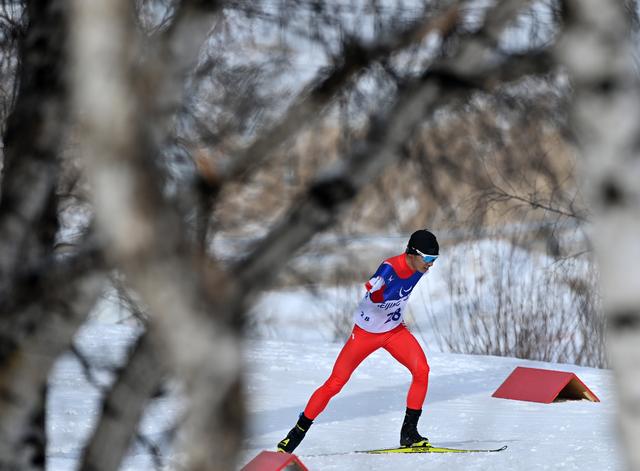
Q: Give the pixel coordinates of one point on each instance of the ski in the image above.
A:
(430, 449)
(412, 449)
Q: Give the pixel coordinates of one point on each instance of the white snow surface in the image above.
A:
(291, 350)
(459, 410)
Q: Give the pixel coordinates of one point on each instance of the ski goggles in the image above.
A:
(425, 257)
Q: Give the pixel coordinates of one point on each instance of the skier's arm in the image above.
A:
(376, 285)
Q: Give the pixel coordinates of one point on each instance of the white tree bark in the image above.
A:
(143, 233)
(605, 117)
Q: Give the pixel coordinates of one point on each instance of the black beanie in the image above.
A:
(424, 241)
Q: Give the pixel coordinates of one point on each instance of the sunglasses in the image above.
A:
(426, 258)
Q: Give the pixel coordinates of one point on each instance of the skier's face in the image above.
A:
(418, 264)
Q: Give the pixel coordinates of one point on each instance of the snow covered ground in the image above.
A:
(291, 352)
(459, 410)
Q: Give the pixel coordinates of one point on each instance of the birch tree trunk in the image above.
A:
(143, 230)
(28, 223)
(605, 117)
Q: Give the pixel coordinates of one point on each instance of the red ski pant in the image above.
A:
(399, 342)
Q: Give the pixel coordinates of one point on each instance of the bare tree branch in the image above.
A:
(123, 406)
(308, 106)
(497, 193)
(319, 209)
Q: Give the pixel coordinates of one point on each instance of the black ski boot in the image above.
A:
(295, 435)
(409, 435)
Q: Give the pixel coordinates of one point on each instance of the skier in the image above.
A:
(379, 324)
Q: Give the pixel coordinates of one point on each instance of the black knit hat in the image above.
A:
(424, 241)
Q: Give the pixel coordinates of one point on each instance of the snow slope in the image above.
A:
(459, 412)
(292, 352)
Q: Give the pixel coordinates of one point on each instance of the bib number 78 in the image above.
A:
(393, 316)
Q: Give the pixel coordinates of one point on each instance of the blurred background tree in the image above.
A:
(181, 152)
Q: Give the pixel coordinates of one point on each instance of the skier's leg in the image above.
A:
(359, 346)
(405, 348)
